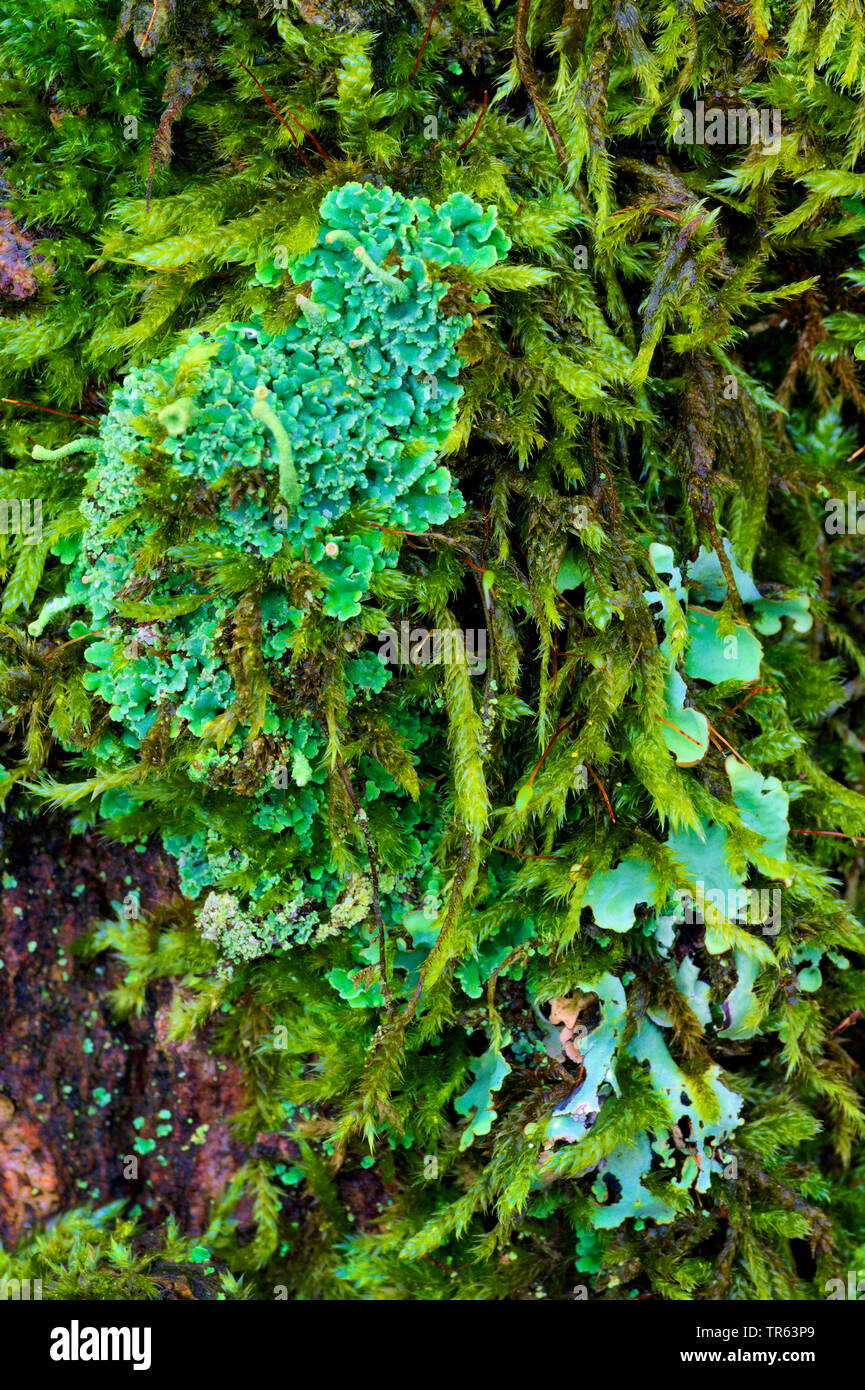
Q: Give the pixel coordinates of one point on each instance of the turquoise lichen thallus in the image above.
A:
(336, 416)
(391, 282)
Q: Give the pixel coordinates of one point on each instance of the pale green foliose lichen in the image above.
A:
(312, 448)
(242, 936)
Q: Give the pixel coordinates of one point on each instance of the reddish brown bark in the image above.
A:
(73, 1078)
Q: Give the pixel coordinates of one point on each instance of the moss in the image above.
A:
(391, 352)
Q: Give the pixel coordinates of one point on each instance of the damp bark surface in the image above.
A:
(94, 1108)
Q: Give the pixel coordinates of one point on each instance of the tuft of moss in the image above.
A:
(549, 993)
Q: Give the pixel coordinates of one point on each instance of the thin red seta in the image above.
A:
(677, 729)
(555, 736)
(425, 41)
(282, 119)
(836, 834)
(517, 855)
(465, 144)
(486, 534)
(755, 691)
(603, 793)
(729, 745)
(88, 419)
(83, 638)
(150, 24)
(634, 657)
(395, 531)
